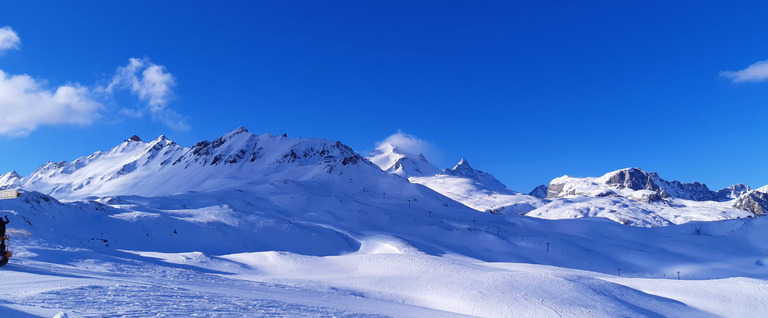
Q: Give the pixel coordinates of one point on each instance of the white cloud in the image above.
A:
(409, 145)
(757, 72)
(26, 104)
(9, 40)
(153, 85)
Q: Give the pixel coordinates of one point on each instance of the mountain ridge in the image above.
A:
(636, 183)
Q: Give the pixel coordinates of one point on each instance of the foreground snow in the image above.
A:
(263, 225)
(384, 279)
(182, 256)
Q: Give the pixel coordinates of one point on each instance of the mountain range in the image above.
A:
(241, 159)
(308, 226)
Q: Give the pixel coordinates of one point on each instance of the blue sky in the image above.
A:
(528, 91)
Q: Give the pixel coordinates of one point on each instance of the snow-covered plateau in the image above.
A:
(261, 225)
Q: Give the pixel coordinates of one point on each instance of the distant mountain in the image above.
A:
(161, 167)
(639, 185)
(10, 180)
(464, 170)
(392, 160)
(329, 174)
(634, 197)
(540, 191)
(474, 188)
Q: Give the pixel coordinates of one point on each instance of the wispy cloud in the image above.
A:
(152, 84)
(757, 72)
(9, 40)
(26, 103)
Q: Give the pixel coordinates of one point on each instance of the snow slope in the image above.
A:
(178, 255)
(474, 188)
(637, 213)
(260, 225)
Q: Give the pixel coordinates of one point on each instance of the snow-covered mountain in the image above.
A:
(474, 188)
(488, 181)
(628, 196)
(241, 160)
(392, 160)
(637, 184)
(269, 225)
(632, 196)
(10, 180)
(299, 248)
(234, 160)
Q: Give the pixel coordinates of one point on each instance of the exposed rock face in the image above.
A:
(539, 192)
(753, 201)
(556, 190)
(732, 192)
(632, 178)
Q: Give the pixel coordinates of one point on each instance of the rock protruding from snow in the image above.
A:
(732, 192)
(539, 192)
(637, 184)
(753, 201)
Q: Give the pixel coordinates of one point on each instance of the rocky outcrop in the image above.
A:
(732, 192)
(753, 201)
(640, 185)
(632, 178)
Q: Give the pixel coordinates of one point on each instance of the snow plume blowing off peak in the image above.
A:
(403, 154)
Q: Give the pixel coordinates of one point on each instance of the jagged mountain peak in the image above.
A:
(133, 138)
(463, 169)
(162, 167)
(637, 184)
(463, 164)
(734, 191)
